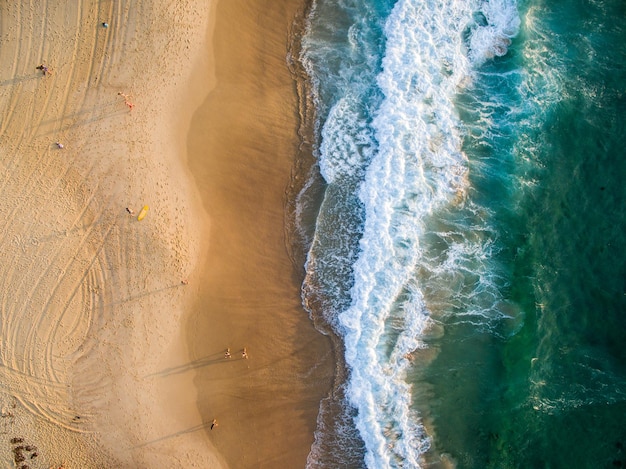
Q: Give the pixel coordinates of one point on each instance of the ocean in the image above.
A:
(463, 225)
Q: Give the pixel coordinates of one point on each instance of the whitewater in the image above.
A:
(391, 154)
(463, 222)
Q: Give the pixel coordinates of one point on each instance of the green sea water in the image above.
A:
(550, 391)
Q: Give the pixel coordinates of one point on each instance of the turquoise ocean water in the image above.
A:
(468, 244)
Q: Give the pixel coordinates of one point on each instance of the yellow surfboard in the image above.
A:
(143, 213)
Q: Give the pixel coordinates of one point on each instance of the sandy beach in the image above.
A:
(113, 330)
(242, 144)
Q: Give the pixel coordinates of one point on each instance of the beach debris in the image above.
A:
(18, 455)
(59, 145)
(227, 353)
(143, 213)
(21, 451)
(214, 424)
(127, 100)
(184, 281)
(44, 69)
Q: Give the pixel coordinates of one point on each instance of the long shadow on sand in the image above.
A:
(14, 80)
(212, 359)
(202, 426)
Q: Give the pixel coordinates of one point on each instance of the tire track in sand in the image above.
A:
(50, 332)
(29, 300)
(62, 272)
(43, 334)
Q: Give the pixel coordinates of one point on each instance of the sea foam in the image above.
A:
(399, 243)
(418, 168)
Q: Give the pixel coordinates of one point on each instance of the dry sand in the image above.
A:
(92, 301)
(106, 359)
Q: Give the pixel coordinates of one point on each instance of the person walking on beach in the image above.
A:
(130, 211)
(244, 353)
(214, 424)
(127, 100)
(227, 353)
(43, 69)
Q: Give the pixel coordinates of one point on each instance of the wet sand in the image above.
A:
(242, 144)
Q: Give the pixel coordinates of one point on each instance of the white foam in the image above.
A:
(347, 142)
(492, 36)
(418, 169)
